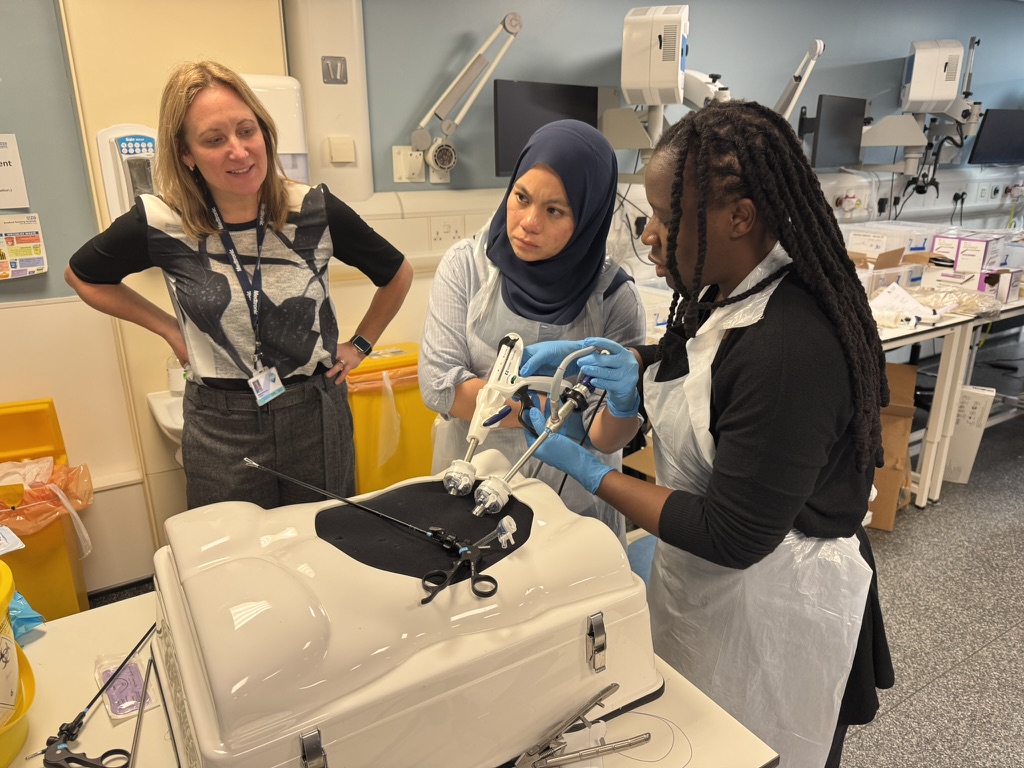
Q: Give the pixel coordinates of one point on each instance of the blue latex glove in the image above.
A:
(617, 373)
(543, 358)
(573, 427)
(562, 453)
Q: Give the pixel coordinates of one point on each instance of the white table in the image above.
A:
(1011, 310)
(687, 727)
(955, 332)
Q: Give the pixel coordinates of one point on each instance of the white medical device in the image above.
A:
(931, 75)
(654, 47)
(126, 153)
(931, 85)
(292, 637)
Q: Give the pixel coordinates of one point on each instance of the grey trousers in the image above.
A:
(305, 433)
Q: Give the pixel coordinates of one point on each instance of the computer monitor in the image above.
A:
(837, 130)
(521, 107)
(1000, 138)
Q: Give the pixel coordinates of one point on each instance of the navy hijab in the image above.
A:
(556, 290)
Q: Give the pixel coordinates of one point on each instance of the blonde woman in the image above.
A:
(245, 253)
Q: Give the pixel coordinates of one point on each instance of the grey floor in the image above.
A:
(951, 578)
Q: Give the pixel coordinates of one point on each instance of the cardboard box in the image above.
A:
(642, 461)
(892, 481)
(1002, 283)
(874, 260)
(971, 251)
(971, 417)
(877, 270)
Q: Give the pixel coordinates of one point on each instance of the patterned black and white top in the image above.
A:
(297, 322)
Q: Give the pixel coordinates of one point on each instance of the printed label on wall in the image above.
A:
(13, 192)
(22, 253)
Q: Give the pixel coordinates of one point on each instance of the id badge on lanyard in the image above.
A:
(265, 382)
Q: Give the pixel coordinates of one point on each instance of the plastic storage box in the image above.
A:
(392, 425)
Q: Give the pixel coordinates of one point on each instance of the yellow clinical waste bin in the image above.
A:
(48, 571)
(391, 424)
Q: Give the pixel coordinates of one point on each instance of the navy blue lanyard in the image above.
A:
(251, 289)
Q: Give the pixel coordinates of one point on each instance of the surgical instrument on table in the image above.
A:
(550, 750)
(138, 717)
(57, 754)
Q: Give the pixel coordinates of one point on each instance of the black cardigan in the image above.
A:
(781, 421)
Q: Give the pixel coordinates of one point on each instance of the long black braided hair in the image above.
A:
(745, 150)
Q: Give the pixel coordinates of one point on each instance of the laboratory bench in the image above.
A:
(687, 728)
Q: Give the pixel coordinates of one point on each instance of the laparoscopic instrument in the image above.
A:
(59, 755)
(552, 750)
(466, 553)
(503, 383)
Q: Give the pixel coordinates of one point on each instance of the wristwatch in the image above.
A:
(361, 344)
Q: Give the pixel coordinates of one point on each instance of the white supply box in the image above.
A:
(971, 417)
(880, 236)
(972, 251)
(1003, 283)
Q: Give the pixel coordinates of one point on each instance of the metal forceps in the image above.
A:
(481, 584)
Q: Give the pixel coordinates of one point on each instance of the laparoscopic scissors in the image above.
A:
(470, 554)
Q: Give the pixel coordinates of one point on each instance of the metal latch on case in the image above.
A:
(313, 755)
(597, 642)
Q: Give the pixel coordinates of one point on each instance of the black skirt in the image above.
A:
(872, 663)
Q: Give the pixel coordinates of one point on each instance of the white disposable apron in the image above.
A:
(771, 644)
(488, 321)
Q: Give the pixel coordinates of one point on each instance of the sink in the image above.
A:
(167, 409)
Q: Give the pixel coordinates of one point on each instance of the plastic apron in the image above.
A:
(771, 644)
(488, 321)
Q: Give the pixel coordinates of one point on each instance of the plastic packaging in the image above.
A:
(49, 490)
(965, 301)
(122, 698)
(23, 618)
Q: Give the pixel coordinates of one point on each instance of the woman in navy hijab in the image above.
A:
(537, 268)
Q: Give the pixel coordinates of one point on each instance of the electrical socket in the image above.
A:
(445, 230)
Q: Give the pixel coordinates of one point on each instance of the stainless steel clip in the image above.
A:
(550, 751)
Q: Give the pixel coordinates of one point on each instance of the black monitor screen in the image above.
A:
(840, 124)
(521, 107)
(1000, 138)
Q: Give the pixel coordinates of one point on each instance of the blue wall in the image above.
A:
(37, 100)
(755, 46)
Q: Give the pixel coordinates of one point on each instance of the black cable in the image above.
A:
(586, 433)
(903, 202)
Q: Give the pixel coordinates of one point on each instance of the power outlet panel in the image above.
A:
(446, 230)
(986, 205)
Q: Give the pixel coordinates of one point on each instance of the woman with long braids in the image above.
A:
(764, 398)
